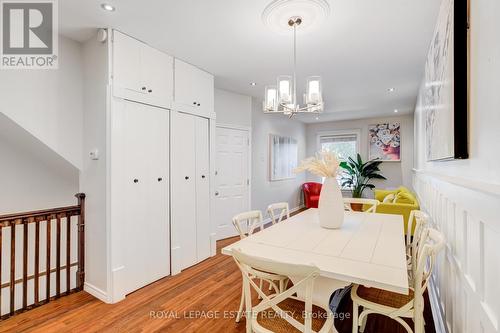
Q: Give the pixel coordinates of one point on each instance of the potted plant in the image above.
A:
(357, 175)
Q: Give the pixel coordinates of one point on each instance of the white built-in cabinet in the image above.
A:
(140, 72)
(194, 90)
(147, 177)
(190, 170)
(140, 191)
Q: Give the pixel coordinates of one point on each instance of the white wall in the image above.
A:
(463, 196)
(48, 103)
(93, 178)
(265, 192)
(232, 108)
(32, 176)
(397, 173)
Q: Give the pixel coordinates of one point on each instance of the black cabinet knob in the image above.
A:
(160, 179)
(194, 103)
(136, 180)
(143, 88)
(202, 176)
(186, 178)
(150, 90)
(199, 104)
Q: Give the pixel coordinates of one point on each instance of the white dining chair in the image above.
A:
(417, 222)
(398, 306)
(246, 224)
(278, 211)
(372, 203)
(282, 311)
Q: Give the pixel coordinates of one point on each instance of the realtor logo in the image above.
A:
(29, 38)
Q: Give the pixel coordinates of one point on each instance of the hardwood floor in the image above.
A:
(186, 302)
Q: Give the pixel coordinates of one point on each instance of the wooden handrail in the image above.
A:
(37, 213)
(20, 221)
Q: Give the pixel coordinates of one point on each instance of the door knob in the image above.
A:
(150, 90)
(194, 103)
(143, 88)
(136, 180)
(203, 176)
(199, 104)
(160, 179)
(216, 192)
(186, 178)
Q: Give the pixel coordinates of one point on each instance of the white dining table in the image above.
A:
(368, 248)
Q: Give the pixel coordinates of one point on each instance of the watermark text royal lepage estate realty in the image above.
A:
(29, 36)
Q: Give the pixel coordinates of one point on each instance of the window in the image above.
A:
(344, 144)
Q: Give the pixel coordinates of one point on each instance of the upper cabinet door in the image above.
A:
(205, 92)
(141, 73)
(127, 63)
(194, 90)
(158, 75)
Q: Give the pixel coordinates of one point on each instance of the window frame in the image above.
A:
(354, 132)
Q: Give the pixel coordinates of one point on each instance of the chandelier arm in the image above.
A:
(284, 106)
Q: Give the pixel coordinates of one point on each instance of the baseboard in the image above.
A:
(96, 292)
(267, 220)
(437, 310)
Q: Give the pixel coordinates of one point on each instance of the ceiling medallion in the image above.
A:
(277, 14)
(282, 98)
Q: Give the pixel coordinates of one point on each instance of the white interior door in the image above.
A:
(232, 178)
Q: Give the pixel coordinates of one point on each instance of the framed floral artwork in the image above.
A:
(385, 142)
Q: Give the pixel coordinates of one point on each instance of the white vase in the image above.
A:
(331, 205)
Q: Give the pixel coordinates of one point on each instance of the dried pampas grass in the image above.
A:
(324, 164)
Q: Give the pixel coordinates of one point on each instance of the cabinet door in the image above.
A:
(158, 75)
(183, 195)
(139, 201)
(194, 90)
(185, 90)
(204, 90)
(202, 189)
(127, 63)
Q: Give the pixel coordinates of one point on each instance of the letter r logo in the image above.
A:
(27, 27)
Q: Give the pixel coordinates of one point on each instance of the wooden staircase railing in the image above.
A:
(42, 268)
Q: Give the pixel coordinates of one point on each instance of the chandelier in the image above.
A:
(282, 97)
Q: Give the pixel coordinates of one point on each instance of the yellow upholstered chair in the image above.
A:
(403, 203)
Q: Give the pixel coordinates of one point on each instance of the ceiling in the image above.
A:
(362, 49)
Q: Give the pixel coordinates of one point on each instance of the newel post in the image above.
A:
(80, 275)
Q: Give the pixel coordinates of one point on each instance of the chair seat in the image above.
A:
(270, 320)
(383, 297)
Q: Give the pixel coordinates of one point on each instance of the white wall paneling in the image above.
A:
(466, 276)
